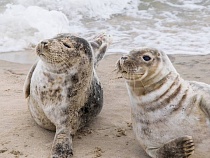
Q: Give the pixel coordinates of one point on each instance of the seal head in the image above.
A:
(143, 64)
(64, 51)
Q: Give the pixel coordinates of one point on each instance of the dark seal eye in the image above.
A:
(66, 45)
(146, 58)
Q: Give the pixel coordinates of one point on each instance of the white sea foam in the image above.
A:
(175, 26)
(99, 9)
(22, 26)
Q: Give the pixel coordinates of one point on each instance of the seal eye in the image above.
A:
(66, 45)
(146, 58)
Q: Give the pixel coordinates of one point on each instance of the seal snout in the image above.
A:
(41, 46)
(122, 62)
(44, 43)
(124, 58)
(126, 65)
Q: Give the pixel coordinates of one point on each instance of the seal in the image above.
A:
(63, 90)
(170, 115)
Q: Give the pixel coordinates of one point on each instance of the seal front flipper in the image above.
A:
(62, 145)
(26, 87)
(100, 44)
(181, 147)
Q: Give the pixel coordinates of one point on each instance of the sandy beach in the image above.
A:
(109, 136)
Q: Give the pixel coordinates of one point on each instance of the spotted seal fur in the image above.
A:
(63, 90)
(170, 115)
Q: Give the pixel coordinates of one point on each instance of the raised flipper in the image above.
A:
(100, 44)
(181, 147)
(205, 107)
(26, 87)
(204, 90)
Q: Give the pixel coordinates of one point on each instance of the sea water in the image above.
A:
(174, 26)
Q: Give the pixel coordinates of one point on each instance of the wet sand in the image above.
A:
(109, 136)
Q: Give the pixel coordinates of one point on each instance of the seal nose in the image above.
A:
(124, 58)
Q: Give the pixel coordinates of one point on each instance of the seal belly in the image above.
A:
(42, 99)
(157, 134)
(180, 116)
(39, 116)
(34, 101)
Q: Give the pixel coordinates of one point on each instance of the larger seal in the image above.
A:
(170, 115)
(63, 90)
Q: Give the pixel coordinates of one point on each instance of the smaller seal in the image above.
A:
(170, 115)
(63, 90)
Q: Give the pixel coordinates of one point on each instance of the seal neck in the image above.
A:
(143, 87)
(165, 71)
(56, 69)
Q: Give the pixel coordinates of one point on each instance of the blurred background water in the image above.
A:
(174, 26)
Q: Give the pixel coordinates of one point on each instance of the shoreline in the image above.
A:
(29, 56)
(108, 136)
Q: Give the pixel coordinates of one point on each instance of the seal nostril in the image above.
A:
(44, 43)
(124, 58)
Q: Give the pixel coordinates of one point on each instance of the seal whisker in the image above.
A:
(115, 70)
(118, 77)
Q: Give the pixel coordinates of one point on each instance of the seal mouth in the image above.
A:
(129, 69)
(39, 52)
(131, 76)
(129, 73)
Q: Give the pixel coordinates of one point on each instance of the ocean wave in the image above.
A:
(174, 25)
(22, 26)
(103, 9)
(26, 22)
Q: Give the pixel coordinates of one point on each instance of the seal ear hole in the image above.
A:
(146, 58)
